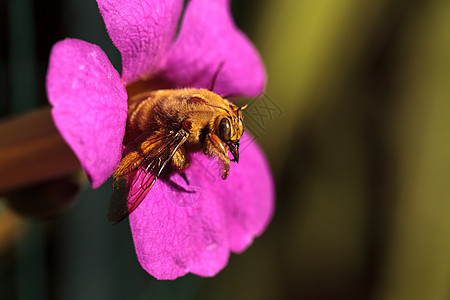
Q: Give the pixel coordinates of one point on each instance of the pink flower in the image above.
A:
(175, 230)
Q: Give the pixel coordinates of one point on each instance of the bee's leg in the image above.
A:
(179, 159)
(214, 147)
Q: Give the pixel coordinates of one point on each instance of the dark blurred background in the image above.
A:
(355, 123)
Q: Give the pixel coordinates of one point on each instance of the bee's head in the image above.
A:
(230, 130)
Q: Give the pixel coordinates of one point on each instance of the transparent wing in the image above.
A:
(132, 185)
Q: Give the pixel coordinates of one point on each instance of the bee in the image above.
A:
(163, 127)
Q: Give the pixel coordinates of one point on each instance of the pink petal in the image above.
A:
(89, 105)
(181, 228)
(142, 31)
(208, 37)
(247, 195)
(178, 232)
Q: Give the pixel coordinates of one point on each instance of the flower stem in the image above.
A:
(32, 151)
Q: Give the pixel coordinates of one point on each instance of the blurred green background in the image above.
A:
(358, 143)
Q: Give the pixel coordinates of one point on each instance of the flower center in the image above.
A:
(147, 85)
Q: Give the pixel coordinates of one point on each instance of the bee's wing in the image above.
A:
(159, 150)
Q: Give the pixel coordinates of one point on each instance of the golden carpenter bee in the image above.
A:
(163, 127)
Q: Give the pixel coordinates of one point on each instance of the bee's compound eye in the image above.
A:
(225, 130)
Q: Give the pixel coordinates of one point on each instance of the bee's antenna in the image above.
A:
(213, 80)
(242, 107)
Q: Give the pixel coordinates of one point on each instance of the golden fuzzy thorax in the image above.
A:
(163, 126)
(196, 111)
